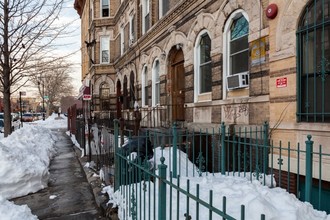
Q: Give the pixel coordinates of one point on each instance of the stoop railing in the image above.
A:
(149, 187)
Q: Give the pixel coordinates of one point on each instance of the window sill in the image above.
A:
(205, 97)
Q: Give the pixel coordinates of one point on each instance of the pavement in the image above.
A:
(73, 191)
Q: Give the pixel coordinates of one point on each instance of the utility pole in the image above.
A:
(20, 106)
(43, 101)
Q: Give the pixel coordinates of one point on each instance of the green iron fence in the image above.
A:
(161, 187)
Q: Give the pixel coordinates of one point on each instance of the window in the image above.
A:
(105, 9)
(105, 96)
(145, 16)
(239, 45)
(155, 84)
(122, 41)
(203, 67)
(145, 95)
(163, 7)
(91, 14)
(131, 29)
(313, 63)
(104, 49)
(236, 52)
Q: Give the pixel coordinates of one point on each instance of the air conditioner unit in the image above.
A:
(238, 81)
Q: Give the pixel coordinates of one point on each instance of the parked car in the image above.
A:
(15, 122)
(27, 117)
(2, 126)
(39, 115)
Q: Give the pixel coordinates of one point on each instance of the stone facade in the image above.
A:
(178, 31)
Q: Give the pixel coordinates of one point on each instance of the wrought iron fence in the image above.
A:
(179, 155)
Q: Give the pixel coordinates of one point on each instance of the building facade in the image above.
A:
(200, 63)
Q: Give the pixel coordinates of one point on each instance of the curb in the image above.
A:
(96, 184)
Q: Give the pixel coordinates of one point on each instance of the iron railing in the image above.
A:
(147, 185)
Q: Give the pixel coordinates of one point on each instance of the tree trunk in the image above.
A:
(6, 74)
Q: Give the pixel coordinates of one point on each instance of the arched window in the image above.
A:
(203, 65)
(313, 63)
(236, 51)
(105, 96)
(155, 84)
(145, 95)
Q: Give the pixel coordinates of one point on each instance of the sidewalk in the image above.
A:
(68, 195)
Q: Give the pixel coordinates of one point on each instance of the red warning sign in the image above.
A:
(281, 82)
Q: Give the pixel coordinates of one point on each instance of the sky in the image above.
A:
(71, 44)
(70, 14)
(33, 146)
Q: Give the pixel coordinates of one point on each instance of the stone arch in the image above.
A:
(175, 38)
(286, 29)
(253, 8)
(155, 54)
(120, 77)
(100, 80)
(125, 73)
(143, 62)
(203, 21)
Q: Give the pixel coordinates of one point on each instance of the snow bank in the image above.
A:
(275, 203)
(10, 211)
(24, 160)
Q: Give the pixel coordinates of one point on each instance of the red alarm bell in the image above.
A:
(271, 11)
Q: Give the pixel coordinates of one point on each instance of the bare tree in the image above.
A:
(28, 29)
(53, 81)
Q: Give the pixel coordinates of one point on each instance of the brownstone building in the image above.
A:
(200, 63)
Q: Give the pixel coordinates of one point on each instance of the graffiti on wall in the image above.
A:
(236, 113)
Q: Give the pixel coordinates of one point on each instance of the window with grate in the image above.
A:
(313, 63)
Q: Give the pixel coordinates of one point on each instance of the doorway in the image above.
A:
(119, 100)
(177, 72)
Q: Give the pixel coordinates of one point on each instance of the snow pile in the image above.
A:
(275, 203)
(53, 122)
(10, 211)
(24, 160)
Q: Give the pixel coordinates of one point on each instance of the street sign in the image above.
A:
(22, 93)
(46, 97)
(87, 97)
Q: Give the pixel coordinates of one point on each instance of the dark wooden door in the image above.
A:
(178, 92)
